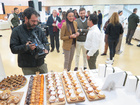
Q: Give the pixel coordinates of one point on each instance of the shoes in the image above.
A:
(76, 68)
(51, 50)
(109, 59)
(130, 44)
(85, 68)
(58, 51)
(119, 52)
(138, 45)
(109, 62)
(103, 54)
(0, 35)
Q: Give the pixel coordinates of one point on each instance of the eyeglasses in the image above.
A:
(34, 21)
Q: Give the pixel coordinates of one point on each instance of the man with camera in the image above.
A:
(30, 43)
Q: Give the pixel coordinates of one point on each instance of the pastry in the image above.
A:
(75, 83)
(87, 86)
(12, 82)
(3, 103)
(51, 89)
(13, 99)
(5, 95)
(52, 99)
(50, 85)
(72, 97)
(90, 89)
(97, 90)
(60, 92)
(101, 95)
(58, 84)
(61, 97)
(77, 86)
(71, 91)
(70, 87)
(95, 86)
(59, 88)
(53, 93)
(92, 83)
(81, 96)
(92, 95)
(78, 91)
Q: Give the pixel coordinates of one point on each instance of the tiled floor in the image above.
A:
(129, 60)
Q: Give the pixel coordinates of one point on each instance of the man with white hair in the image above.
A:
(53, 30)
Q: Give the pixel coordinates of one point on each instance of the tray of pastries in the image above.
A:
(54, 89)
(13, 82)
(10, 98)
(90, 87)
(73, 90)
(35, 93)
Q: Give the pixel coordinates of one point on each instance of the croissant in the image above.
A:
(13, 99)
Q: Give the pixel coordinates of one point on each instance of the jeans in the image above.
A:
(112, 47)
(99, 26)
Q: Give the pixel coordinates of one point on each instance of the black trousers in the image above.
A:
(130, 34)
(54, 39)
(112, 47)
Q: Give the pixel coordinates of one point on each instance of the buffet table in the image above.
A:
(116, 97)
(4, 25)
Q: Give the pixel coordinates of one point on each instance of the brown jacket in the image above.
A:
(65, 35)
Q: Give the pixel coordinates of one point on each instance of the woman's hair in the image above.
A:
(63, 15)
(114, 19)
(67, 21)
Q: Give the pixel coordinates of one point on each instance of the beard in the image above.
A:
(31, 26)
(82, 17)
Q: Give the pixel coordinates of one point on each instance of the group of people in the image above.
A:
(78, 34)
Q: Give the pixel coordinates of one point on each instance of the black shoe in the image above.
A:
(52, 50)
(76, 68)
(85, 68)
(58, 51)
(0, 35)
(130, 44)
(138, 45)
(103, 54)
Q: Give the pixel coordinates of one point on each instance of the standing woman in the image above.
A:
(59, 25)
(114, 29)
(68, 35)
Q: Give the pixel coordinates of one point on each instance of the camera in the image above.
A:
(39, 51)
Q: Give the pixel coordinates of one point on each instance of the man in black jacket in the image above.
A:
(133, 19)
(53, 30)
(99, 19)
(21, 44)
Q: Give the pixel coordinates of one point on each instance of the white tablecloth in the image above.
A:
(116, 97)
(4, 25)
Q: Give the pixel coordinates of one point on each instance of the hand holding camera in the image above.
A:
(32, 46)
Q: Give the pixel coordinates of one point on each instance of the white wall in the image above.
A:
(70, 2)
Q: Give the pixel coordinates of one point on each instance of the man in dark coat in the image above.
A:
(53, 30)
(133, 19)
(99, 19)
(22, 43)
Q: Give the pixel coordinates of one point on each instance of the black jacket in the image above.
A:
(100, 18)
(114, 31)
(133, 19)
(26, 57)
(50, 22)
